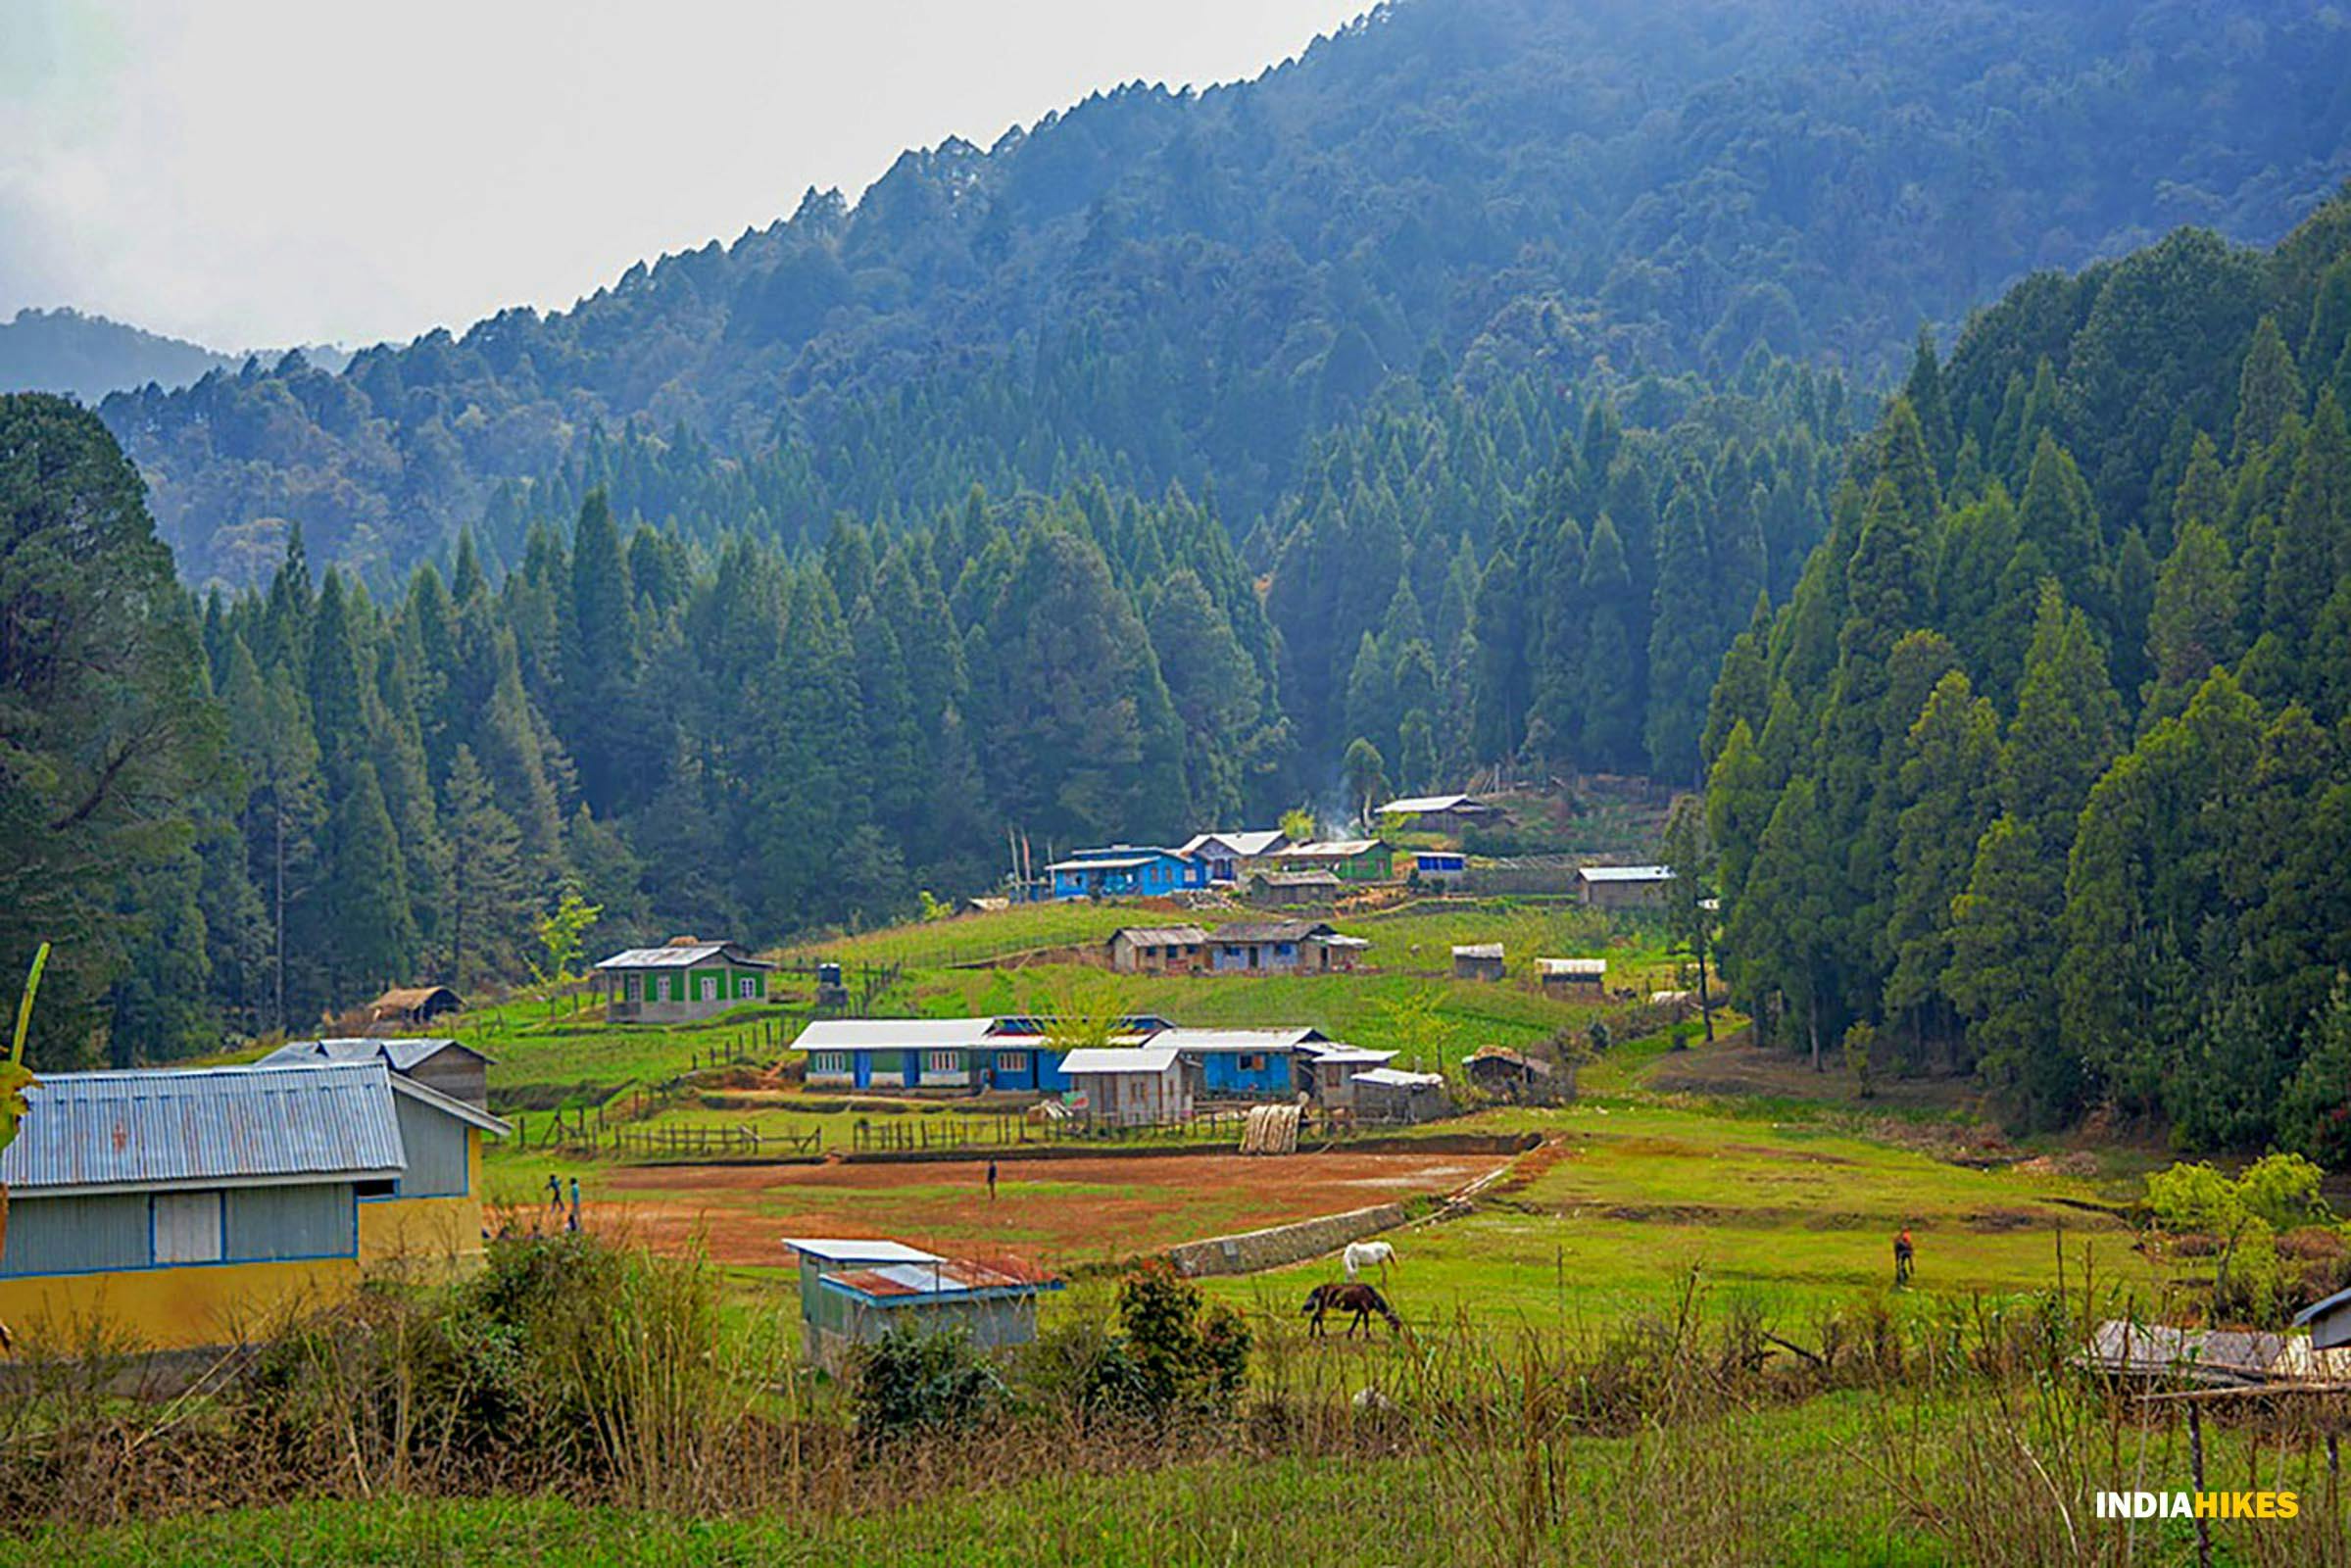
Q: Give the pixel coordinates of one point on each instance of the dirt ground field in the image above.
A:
(1057, 1212)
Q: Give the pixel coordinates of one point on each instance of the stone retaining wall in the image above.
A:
(1251, 1251)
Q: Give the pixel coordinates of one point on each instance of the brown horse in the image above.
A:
(1360, 1299)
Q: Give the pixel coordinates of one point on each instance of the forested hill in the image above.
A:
(90, 356)
(2045, 769)
(1157, 287)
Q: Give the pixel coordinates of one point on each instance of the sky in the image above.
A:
(253, 173)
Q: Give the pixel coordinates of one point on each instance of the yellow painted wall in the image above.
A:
(421, 1239)
(424, 1239)
(171, 1308)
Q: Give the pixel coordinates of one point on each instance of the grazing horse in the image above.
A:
(1360, 1299)
(1361, 1256)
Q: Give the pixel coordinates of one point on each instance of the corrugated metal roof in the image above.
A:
(850, 1250)
(1243, 845)
(1332, 849)
(1479, 949)
(1415, 804)
(939, 1279)
(885, 1034)
(1581, 966)
(683, 956)
(1121, 862)
(1300, 879)
(224, 1126)
(1247, 931)
(1126, 1058)
(401, 1053)
(1213, 1042)
(1626, 873)
(1162, 936)
(1350, 1057)
(1392, 1078)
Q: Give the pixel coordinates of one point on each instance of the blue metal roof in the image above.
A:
(220, 1126)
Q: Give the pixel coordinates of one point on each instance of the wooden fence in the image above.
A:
(706, 1143)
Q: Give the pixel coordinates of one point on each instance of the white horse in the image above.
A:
(1361, 1256)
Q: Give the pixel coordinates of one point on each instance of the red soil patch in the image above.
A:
(1060, 1212)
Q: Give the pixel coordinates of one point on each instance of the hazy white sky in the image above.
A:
(257, 172)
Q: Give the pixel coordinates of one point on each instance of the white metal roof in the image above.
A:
(1332, 849)
(1626, 873)
(1127, 1059)
(839, 1250)
(1123, 862)
(884, 1034)
(1416, 805)
(1579, 966)
(1219, 1042)
(1392, 1078)
(1162, 936)
(1479, 949)
(1245, 844)
(1352, 1056)
(682, 957)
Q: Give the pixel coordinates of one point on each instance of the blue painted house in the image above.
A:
(1243, 1063)
(1126, 871)
(943, 1054)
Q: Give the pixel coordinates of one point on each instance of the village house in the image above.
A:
(1012, 1055)
(854, 1292)
(1440, 814)
(1281, 946)
(1623, 886)
(1290, 889)
(1352, 861)
(1124, 871)
(456, 1069)
(1157, 948)
(1327, 1070)
(1572, 974)
(1385, 1094)
(408, 1006)
(1226, 857)
(1133, 1086)
(1478, 961)
(191, 1208)
(679, 981)
(1514, 1075)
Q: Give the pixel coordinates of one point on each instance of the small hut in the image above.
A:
(1385, 1094)
(852, 1293)
(1573, 974)
(1156, 948)
(414, 1004)
(1478, 961)
(1510, 1074)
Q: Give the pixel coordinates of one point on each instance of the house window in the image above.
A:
(944, 1062)
(1011, 1062)
(188, 1227)
(1252, 1062)
(709, 987)
(829, 1061)
(747, 985)
(631, 987)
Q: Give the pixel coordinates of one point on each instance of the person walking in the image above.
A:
(573, 1224)
(1904, 1256)
(991, 1178)
(555, 1192)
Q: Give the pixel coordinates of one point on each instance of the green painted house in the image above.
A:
(681, 980)
(1352, 861)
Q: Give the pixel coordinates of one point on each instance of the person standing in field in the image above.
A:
(573, 1224)
(1903, 1254)
(555, 1192)
(991, 1178)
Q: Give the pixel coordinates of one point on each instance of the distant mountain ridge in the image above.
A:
(89, 357)
(1177, 288)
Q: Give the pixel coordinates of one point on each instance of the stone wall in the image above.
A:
(1251, 1251)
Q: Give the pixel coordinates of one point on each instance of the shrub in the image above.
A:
(914, 1380)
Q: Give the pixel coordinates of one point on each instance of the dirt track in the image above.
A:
(1059, 1213)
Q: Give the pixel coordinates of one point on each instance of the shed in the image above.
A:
(185, 1207)
(1292, 889)
(414, 1004)
(1132, 1086)
(450, 1067)
(2158, 1352)
(1441, 869)
(1156, 948)
(679, 981)
(1385, 1094)
(995, 1304)
(1478, 961)
(1327, 1070)
(1572, 974)
(1515, 1075)
(831, 1254)
(1623, 886)
(2329, 1321)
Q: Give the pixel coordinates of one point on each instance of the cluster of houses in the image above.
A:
(185, 1208)
(1146, 1071)
(1224, 860)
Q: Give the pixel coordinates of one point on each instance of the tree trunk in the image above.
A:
(1705, 999)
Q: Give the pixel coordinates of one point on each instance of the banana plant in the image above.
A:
(15, 1079)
